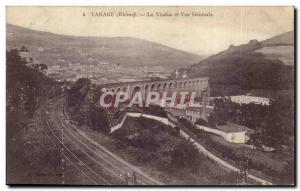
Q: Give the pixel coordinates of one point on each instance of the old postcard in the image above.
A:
(142, 96)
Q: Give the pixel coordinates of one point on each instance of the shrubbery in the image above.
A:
(274, 123)
(81, 103)
(186, 155)
(25, 89)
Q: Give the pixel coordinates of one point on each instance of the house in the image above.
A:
(25, 54)
(195, 113)
(191, 113)
(230, 132)
(235, 133)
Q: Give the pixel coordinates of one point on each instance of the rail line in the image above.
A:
(106, 172)
(106, 155)
(86, 167)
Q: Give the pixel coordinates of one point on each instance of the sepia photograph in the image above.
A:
(150, 95)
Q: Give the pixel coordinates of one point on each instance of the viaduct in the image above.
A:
(199, 85)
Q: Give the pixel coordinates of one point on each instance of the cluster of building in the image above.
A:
(191, 113)
(245, 99)
(230, 132)
(73, 71)
(99, 72)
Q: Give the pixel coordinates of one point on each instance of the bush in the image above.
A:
(98, 120)
(185, 155)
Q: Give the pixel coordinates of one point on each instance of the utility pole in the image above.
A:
(134, 178)
(244, 167)
(126, 179)
(130, 179)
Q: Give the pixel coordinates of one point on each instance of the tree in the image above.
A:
(275, 122)
(211, 120)
(202, 122)
(185, 155)
(43, 67)
(13, 57)
(98, 119)
(24, 49)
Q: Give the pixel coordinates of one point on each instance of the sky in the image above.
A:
(202, 35)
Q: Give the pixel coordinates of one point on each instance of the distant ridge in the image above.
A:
(126, 51)
(282, 39)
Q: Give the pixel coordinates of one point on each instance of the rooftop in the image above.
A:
(230, 128)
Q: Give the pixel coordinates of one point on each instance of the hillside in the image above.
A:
(282, 39)
(25, 89)
(126, 52)
(280, 47)
(255, 65)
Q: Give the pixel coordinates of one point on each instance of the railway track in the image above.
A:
(94, 177)
(93, 161)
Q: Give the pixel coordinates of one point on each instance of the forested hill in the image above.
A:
(25, 89)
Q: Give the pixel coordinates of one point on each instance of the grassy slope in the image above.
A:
(255, 65)
(280, 47)
(150, 145)
(282, 39)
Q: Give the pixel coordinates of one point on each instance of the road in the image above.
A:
(95, 162)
